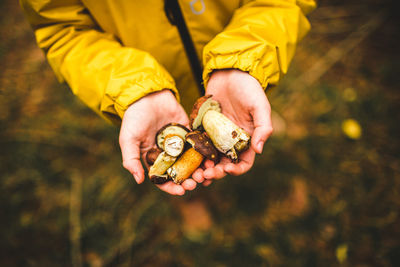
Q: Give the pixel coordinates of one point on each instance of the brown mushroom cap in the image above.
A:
(152, 155)
(160, 179)
(202, 105)
(202, 144)
(171, 128)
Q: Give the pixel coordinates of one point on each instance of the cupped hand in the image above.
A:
(140, 124)
(243, 101)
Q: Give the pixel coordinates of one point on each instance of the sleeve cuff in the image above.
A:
(132, 90)
(260, 63)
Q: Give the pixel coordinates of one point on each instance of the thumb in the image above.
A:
(130, 150)
(262, 127)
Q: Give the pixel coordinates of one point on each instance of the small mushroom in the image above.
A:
(171, 138)
(152, 155)
(201, 147)
(202, 105)
(157, 171)
(227, 137)
(170, 141)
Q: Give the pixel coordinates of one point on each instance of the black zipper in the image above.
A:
(175, 17)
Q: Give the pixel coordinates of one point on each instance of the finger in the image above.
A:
(208, 182)
(131, 157)
(262, 126)
(189, 184)
(198, 175)
(209, 163)
(172, 188)
(215, 173)
(246, 162)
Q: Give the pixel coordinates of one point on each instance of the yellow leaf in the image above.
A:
(349, 94)
(351, 128)
(341, 253)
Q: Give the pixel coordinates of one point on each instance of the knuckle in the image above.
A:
(126, 165)
(269, 131)
(121, 140)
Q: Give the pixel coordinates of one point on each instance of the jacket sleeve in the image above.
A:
(105, 75)
(260, 39)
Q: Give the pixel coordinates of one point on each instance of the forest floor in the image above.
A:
(325, 192)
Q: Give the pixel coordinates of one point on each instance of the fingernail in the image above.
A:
(181, 192)
(135, 177)
(260, 146)
(228, 168)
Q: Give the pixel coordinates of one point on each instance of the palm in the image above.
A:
(243, 101)
(233, 109)
(144, 127)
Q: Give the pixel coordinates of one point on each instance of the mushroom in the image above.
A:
(152, 155)
(157, 171)
(201, 147)
(170, 140)
(226, 136)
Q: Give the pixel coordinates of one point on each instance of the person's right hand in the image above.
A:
(140, 124)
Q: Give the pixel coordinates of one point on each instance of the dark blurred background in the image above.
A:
(325, 192)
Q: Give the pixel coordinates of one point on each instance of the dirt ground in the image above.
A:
(325, 192)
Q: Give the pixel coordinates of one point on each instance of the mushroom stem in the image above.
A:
(188, 162)
(227, 137)
(173, 145)
(160, 166)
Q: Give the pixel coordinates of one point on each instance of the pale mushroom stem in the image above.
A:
(227, 137)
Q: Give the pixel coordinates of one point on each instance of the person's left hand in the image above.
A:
(243, 101)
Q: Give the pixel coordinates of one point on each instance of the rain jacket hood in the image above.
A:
(114, 52)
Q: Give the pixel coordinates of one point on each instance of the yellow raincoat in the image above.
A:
(113, 52)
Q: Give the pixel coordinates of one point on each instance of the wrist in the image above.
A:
(223, 79)
(154, 98)
(151, 105)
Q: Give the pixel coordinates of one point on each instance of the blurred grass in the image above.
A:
(315, 197)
